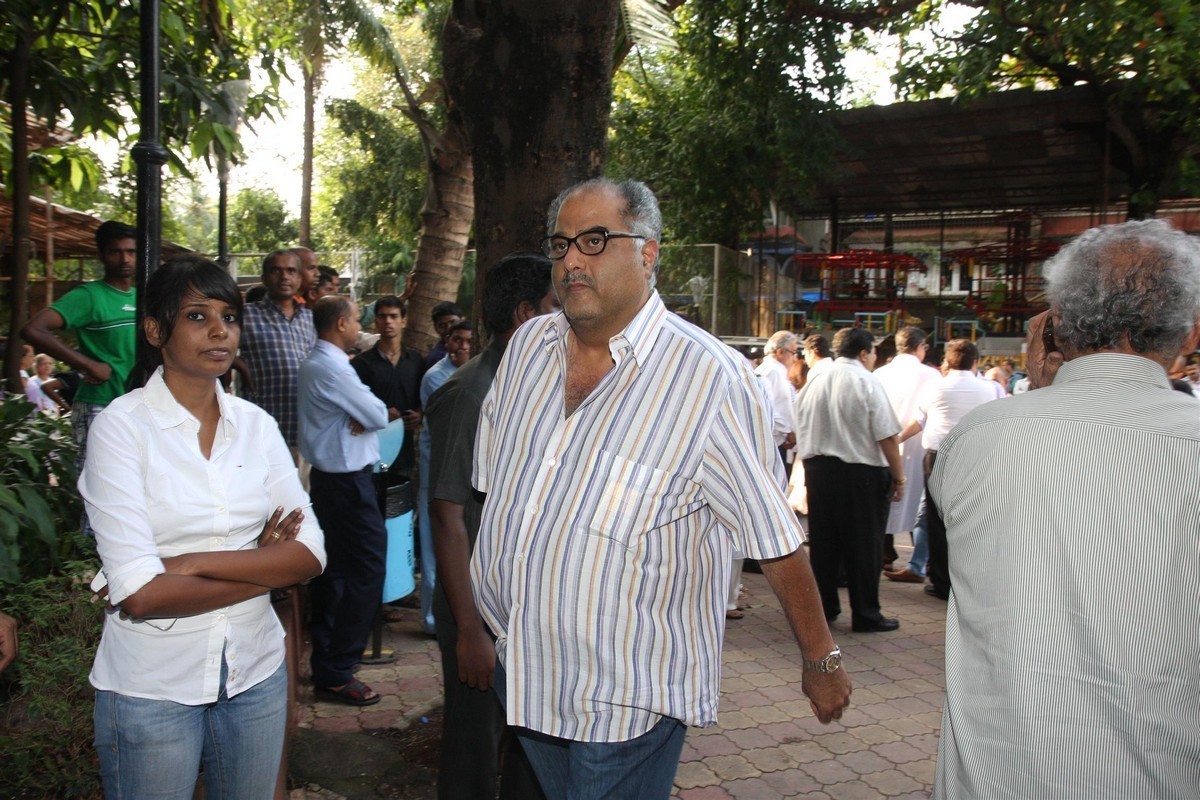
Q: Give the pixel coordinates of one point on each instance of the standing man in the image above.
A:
(338, 420)
(444, 315)
(1072, 676)
(947, 401)
(816, 354)
(393, 373)
(625, 453)
(853, 471)
(458, 352)
(103, 315)
(778, 356)
(905, 379)
(309, 274)
(477, 744)
(277, 335)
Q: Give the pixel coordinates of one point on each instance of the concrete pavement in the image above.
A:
(767, 743)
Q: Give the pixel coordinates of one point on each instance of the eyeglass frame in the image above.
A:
(574, 240)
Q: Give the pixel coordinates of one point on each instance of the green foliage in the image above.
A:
(39, 505)
(259, 222)
(45, 700)
(1139, 56)
(729, 122)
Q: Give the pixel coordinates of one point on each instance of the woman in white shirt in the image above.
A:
(187, 489)
(43, 366)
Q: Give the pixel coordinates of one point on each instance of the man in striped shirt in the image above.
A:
(625, 454)
(1069, 675)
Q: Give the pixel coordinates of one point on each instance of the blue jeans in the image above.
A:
(152, 749)
(920, 552)
(639, 769)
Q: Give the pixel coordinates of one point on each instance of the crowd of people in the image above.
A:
(589, 484)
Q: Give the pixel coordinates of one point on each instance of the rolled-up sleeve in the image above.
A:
(113, 485)
(283, 484)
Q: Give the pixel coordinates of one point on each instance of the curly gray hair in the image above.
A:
(1137, 282)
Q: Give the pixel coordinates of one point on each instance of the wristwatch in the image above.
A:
(830, 663)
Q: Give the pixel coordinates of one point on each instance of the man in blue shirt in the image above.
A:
(338, 419)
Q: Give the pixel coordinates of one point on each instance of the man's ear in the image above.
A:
(524, 312)
(1191, 342)
(150, 327)
(649, 256)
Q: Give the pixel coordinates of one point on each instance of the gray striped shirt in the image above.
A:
(1073, 631)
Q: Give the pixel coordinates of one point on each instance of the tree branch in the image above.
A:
(801, 11)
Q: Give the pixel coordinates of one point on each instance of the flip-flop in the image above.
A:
(734, 614)
(354, 693)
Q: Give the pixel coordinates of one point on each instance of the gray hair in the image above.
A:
(1137, 282)
(640, 212)
(780, 339)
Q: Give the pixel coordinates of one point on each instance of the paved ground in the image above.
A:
(767, 744)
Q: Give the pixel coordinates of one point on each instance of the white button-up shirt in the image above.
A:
(604, 554)
(948, 400)
(843, 412)
(150, 494)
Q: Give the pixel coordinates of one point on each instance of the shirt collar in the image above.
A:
(638, 337)
(1112, 368)
(166, 410)
(853, 362)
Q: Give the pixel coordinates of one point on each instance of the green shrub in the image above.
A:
(45, 699)
(39, 504)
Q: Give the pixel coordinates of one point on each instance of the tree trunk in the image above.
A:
(18, 286)
(533, 80)
(445, 230)
(306, 169)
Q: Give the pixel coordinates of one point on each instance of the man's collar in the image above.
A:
(1112, 367)
(638, 336)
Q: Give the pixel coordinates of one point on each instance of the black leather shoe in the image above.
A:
(934, 591)
(881, 625)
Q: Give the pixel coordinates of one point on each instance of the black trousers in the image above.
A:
(478, 748)
(847, 515)
(347, 596)
(938, 566)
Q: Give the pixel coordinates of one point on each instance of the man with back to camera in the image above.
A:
(339, 417)
(1069, 675)
(477, 745)
(625, 454)
(853, 472)
(103, 315)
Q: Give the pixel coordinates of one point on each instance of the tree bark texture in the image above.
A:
(533, 80)
(445, 229)
(306, 169)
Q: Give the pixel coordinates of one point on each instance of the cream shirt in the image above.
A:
(150, 493)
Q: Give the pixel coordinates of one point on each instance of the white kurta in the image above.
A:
(904, 380)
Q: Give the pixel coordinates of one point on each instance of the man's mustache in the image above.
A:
(576, 277)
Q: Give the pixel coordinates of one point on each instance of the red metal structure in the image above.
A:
(858, 282)
(1010, 288)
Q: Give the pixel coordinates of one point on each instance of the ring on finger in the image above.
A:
(275, 535)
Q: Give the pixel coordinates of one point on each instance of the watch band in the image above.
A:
(830, 663)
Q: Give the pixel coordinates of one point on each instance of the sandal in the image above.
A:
(354, 693)
(734, 614)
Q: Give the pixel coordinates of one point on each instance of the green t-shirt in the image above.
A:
(105, 320)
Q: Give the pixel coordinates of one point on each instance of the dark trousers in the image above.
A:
(347, 596)
(478, 747)
(847, 515)
(938, 568)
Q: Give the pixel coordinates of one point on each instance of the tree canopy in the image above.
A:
(1139, 58)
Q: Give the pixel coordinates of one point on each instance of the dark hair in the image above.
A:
(849, 342)
(171, 284)
(445, 309)
(961, 354)
(516, 278)
(909, 338)
(255, 293)
(328, 310)
(391, 301)
(461, 325)
(817, 344)
(275, 254)
(112, 230)
(326, 273)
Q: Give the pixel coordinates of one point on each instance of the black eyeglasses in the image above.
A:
(590, 243)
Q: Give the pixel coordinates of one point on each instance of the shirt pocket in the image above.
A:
(636, 498)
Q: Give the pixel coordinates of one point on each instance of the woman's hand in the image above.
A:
(281, 530)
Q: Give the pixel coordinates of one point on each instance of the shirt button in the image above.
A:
(221, 617)
(531, 508)
(551, 461)
(221, 509)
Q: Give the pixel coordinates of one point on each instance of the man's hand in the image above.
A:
(476, 659)
(393, 414)
(827, 692)
(96, 372)
(412, 420)
(897, 493)
(356, 427)
(8, 641)
(789, 441)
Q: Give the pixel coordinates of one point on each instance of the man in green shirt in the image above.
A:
(103, 315)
